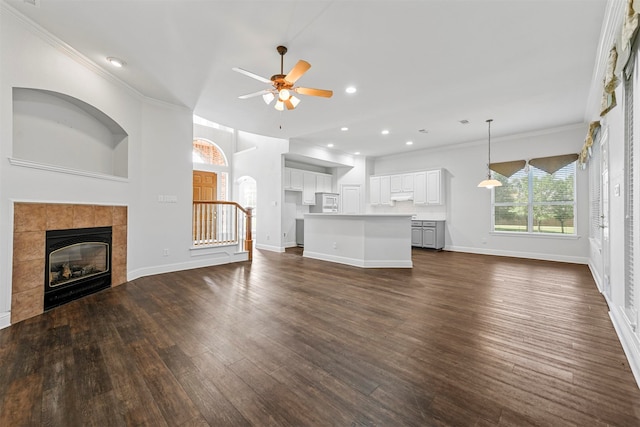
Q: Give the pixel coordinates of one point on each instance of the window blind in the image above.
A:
(595, 196)
(630, 288)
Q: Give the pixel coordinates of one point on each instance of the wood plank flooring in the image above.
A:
(459, 340)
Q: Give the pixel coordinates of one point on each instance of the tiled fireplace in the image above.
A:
(30, 225)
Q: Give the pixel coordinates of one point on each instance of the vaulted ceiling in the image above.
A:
(417, 65)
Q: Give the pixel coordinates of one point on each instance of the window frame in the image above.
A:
(530, 209)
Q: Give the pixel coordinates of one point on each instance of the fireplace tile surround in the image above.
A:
(30, 224)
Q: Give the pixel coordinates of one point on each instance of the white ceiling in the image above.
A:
(416, 64)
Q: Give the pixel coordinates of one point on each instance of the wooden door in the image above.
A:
(204, 186)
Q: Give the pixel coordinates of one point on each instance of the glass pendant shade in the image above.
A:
(268, 97)
(295, 101)
(284, 95)
(279, 105)
(489, 183)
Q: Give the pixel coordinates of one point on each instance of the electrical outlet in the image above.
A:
(165, 252)
(268, 237)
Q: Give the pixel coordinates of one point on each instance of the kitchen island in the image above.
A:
(366, 240)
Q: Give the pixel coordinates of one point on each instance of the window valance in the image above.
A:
(554, 163)
(550, 164)
(585, 153)
(508, 168)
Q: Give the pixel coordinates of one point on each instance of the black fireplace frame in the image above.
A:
(67, 292)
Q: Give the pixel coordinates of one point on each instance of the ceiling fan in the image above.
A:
(283, 85)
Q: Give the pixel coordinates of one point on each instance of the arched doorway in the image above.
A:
(248, 197)
(210, 172)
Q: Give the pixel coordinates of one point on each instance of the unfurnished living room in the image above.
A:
(319, 213)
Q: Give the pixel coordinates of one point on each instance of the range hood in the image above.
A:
(401, 197)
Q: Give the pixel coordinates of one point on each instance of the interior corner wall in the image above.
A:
(160, 231)
(261, 158)
(27, 60)
(159, 154)
(468, 208)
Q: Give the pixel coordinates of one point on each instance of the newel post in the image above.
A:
(248, 241)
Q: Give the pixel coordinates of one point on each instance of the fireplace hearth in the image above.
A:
(78, 263)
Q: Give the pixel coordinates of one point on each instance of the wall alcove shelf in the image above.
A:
(61, 133)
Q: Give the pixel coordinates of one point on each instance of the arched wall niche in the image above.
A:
(51, 128)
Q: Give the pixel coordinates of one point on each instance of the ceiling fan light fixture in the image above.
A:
(284, 94)
(279, 105)
(294, 101)
(268, 97)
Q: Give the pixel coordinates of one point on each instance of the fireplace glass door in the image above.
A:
(77, 261)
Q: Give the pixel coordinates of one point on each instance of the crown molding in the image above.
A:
(609, 32)
(81, 59)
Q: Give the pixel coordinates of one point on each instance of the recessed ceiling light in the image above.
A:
(344, 128)
(116, 62)
(385, 132)
(357, 153)
(329, 145)
(351, 89)
(409, 142)
(464, 121)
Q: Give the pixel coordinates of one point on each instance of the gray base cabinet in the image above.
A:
(427, 234)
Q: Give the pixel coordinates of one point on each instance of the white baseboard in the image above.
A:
(5, 319)
(209, 261)
(629, 341)
(358, 262)
(528, 255)
(269, 248)
(596, 277)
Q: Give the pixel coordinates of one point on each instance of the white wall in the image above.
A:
(261, 159)
(468, 208)
(165, 170)
(159, 154)
(27, 60)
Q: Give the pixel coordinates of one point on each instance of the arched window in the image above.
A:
(208, 158)
(207, 152)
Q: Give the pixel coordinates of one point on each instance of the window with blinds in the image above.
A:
(539, 198)
(594, 197)
(629, 238)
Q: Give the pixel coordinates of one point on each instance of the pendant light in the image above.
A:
(489, 182)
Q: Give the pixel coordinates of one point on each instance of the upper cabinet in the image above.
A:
(434, 187)
(423, 187)
(308, 182)
(402, 183)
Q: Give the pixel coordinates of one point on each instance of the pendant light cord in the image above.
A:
(489, 157)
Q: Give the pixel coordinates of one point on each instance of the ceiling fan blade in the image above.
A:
(297, 71)
(252, 75)
(314, 92)
(289, 104)
(258, 93)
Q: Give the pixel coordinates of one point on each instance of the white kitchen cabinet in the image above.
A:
(427, 188)
(396, 183)
(296, 180)
(434, 187)
(407, 182)
(292, 179)
(385, 190)
(374, 190)
(309, 188)
(324, 183)
(420, 188)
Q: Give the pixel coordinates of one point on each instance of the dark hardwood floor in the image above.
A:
(459, 340)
